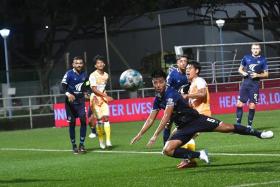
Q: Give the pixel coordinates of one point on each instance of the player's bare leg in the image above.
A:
(92, 127)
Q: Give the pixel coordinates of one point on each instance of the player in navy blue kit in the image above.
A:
(187, 120)
(252, 68)
(176, 78)
(72, 84)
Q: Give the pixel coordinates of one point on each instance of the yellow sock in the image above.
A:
(190, 145)
(107, 129)
(100, 132)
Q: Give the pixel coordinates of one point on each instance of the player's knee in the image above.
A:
(168, 151)
(239, 104)
(252, 105)
(105, 118)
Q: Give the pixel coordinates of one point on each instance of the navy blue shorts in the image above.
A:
(249, 91)
(201, 124)
(74, 111)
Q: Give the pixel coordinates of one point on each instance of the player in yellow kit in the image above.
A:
(99, 101)
(199, 99)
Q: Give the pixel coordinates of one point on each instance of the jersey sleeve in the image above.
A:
(243, 61)
(92, 80)
(201, 83)
(65, 78)
(172, 98)
(265, 66)
(169, 79)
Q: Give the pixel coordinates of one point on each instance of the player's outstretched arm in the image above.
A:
(149, 122)
(166, 117)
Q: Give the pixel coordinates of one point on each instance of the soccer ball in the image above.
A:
(131, 80)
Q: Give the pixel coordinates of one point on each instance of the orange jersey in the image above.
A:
(100, 81)
(201, 105)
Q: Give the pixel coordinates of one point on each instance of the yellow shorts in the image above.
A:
(99, 111)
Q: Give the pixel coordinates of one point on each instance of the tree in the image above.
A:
(48, 27)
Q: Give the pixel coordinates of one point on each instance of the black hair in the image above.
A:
(98, 57)
(158, 74)
(78, 58)
(196, 65)
(183, 56)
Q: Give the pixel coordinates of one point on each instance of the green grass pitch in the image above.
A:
(42, 157)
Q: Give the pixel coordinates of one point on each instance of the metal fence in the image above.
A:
(212, 71)
(42, 105)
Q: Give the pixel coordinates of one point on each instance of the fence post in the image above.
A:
(30, 112)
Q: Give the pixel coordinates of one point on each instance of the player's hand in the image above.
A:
(71, 98)
(135, 139)
(253, 75)
(152, 141)
(108, 98)
(244, 74)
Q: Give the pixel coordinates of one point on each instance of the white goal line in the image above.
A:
(135, 152)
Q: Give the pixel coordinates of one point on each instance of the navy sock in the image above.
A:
(239, 129)
(239, 113)
(185, 154)
(93, 130)
(72, 132)
(166, 134)
(83, 130)
(251, 116)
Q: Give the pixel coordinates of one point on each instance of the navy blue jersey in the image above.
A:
(176, 79)
(254, 64)
(74, 82)
(182, 113)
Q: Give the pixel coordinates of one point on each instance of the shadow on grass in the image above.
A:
(99, 149)
(231, 167)
(265, 128)
(15, 181)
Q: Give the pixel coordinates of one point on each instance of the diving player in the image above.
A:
(187, 120)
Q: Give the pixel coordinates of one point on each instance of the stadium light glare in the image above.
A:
(220, 23)
(5, 33)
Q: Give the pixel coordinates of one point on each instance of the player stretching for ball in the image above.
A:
(187, 120)
(99, 101)
(75, 102)
(252, 68)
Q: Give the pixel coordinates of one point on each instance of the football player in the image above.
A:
(72, 84)
(253, 67)
(99, 101)
(187, 120)
(175, 79)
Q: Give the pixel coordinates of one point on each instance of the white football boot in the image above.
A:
(266, 134)
(204, 156)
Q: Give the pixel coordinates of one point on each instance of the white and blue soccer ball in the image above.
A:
(131, 80)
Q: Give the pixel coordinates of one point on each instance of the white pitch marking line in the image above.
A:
(256, 184)
(135, 152)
